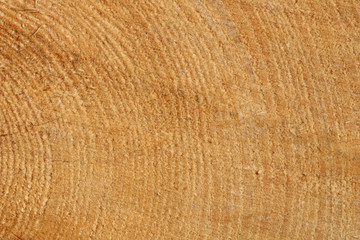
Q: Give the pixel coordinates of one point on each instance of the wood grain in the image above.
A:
(157, 119)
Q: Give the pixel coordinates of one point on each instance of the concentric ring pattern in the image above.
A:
(174, 119)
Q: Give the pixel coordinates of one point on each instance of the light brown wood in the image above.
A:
(164, 119)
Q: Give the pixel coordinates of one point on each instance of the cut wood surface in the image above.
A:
(180, 119)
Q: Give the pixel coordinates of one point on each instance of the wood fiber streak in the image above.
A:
(157, 119)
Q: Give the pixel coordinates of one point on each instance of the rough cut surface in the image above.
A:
(180, 119)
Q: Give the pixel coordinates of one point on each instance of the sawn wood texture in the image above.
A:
(180, 119)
